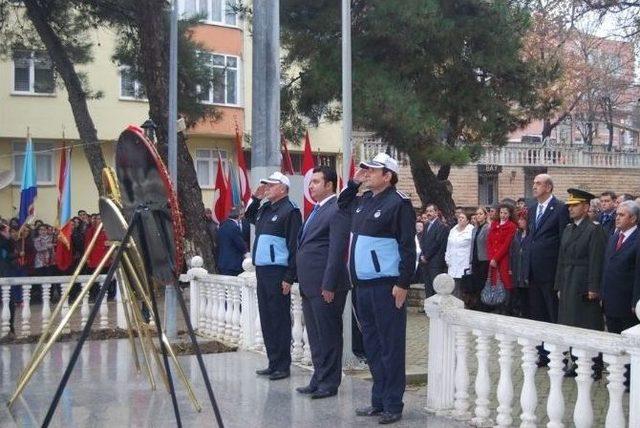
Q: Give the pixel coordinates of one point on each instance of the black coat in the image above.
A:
(608, 223)
(619, 274)
(322, 249)
(231, 247)
(518, 259)
(543, 242)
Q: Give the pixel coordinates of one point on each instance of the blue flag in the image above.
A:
(29, 189)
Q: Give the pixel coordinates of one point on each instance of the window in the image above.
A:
(487, 189)
(44, 161)
(225, 80)
(32, 73)
(213, 11)
(207, 166)
(130, 88)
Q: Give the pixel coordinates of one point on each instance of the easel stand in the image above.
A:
(149, 298)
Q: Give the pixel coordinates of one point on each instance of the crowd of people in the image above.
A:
(40, 249)
(574, 262)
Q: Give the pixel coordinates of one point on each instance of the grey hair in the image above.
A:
(632, 208)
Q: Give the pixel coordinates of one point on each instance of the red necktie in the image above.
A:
(620, 240)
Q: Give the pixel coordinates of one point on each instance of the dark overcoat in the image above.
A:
(580, 271)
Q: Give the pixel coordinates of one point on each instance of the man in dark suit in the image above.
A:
(433, 246)
(547, 220)
(322, 274)
(621, 270)
(607, 217)
(231, 246)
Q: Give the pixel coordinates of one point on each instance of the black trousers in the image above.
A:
(275, 316)
(324, 330)
(543, 302)
(384, 329)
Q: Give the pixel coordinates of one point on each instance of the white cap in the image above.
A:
(382, 160)
(276, 178)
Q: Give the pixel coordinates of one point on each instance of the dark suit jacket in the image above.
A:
(619, 274)
(609, 223)
(231, 247)
(322, 248)
(246, 232)
(434, 244)
(544, 241)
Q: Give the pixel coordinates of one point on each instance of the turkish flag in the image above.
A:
(221, 206)
(308, 163)
(64, 249)
(243, 176)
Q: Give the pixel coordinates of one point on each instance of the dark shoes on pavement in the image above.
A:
(323, 393)
(306, 389)
(264, 372)
(277, 375)
(389, 418)
(368, 411)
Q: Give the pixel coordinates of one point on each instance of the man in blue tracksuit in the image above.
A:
(382, 258)
(277, 224)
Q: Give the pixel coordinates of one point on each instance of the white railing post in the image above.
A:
(196, 271)
(6, 313)
(505, 384)
(46, 306)
(615, 413)
(222, 306)
(461, 395)
(632, 337)
(583, 411)
(85, 309)
(212, 308)
(235, 313)
(65, 305)
(228, 313)
(442, 353)
(555, 402)
(204, 308)
(483, 380)
(104, 310)
(296, 333)
(26, 310)
(529, 395)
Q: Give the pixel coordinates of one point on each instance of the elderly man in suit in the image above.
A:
(322, 274)
(547, 220)
(433, 245)
(621, 270)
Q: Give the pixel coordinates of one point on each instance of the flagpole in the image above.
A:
(349, 360)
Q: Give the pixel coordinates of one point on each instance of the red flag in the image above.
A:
(243, 176)
(228, 202)
(307, 170)
(287, 164)
(64, 249)
(220, 204)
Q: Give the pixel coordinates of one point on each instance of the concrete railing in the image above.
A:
(449, 381)
(31, 319)
(225, 308)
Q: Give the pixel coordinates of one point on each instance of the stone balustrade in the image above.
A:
(451, 328)
(32, 319)
(225, 308)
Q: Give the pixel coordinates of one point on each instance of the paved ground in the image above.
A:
(105, 391)
(417, 339)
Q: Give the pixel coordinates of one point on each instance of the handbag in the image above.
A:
(493, 294)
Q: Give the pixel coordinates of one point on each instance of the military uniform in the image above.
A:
(274, 255)
(382, 255)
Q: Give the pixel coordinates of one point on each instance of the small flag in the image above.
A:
(64, 186)
(307, 170)
(287, 164)
(220, 210)
(29, 189)
(243, 175)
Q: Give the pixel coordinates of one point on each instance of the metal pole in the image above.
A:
(170, 302)
(348, 359)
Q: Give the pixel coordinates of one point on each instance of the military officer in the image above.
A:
(382, 256)
(579, 273)
(277, 224)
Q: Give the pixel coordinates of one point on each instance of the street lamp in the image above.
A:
(149, 129)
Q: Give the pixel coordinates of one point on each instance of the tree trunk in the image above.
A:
(77, 96)
(546, 129)
(431, 188)
(154, 53)
(610, 128)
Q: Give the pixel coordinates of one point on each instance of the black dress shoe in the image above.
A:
(277, 375)
(389, 418)
(368, 411)
(264, 372)
(323, 393)
(306, 389)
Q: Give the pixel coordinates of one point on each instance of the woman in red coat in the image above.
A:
(499, 240)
